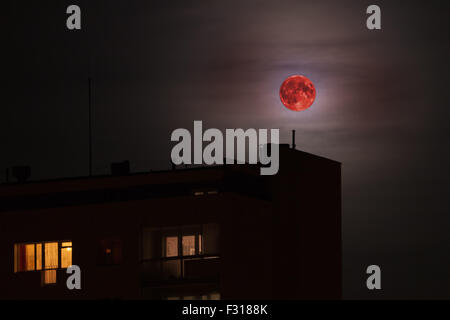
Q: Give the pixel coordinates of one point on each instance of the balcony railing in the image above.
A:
(174, 269)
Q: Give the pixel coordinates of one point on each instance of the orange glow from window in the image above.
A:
(188, 245)
(42, 256)
(38, 256)
(171, 246)
(51, 255)
(49, 276)
(66, 257)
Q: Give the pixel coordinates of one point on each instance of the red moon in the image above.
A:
(297, 93)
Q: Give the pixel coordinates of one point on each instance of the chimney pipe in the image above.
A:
(293, 139)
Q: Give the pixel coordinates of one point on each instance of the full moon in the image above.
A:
(297, 93)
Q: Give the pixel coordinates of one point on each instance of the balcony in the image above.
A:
(201, 268)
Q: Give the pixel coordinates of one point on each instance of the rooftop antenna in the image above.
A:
(90, 128)
(293, 139)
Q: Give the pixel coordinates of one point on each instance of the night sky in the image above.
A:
(382, 106)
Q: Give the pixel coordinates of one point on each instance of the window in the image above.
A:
(110, 252)
(42, 256)
(207, 296)
(190, 245)
(48, 277)
(183, 241)
(205, 192)
(24, 257)
(200, 245)
(45, 256)
(66, 254)
(38, 256)
(51, 255)
(171, 247)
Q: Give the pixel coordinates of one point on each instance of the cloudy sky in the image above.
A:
(382, 105)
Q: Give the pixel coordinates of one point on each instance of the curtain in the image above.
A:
(51, 255)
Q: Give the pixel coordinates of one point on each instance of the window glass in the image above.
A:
(42, 256)
(28, 263)
(188, 245)
(49, 276)
(51, 255)
(66, 257)
(214, 296)
(24, 257)
(110, 252)
(210, 240)
(171, 246)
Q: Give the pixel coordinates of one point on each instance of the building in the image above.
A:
(201, 233)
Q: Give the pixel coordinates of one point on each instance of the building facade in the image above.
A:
(222, 232)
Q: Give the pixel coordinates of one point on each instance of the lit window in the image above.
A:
(42, 256)
(66, 254)
(49, 277)
(51, 255)
(207, 296)
(178, 243)
(214, 296)
(188, 245)
(24, 257)
(38, 256)
(200, 250)
(171, 244)
(110, 252)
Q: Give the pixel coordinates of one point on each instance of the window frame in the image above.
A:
(42, 255)
(180, 234)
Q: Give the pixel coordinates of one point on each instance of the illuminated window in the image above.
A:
(207, 296)
(191, 245)
(48, 277)
(212, 296)
(110, 252)
(24, 257)
(205, 192)
(200, 245)
(51, 255)
(66, 254)
(171, 247)
(38, 256)
(188, 245)
(42, 256)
